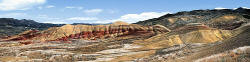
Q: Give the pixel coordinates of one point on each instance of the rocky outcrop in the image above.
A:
(68, 32)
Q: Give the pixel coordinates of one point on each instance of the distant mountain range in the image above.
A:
(11, 26)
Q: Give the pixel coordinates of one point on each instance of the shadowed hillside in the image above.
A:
(10, 26)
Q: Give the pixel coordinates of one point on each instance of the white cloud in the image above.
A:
(93, 11)
(82, 18)
(69, 7)
(74, 7)
(219, 8)
(42, 16)
(40, 7)
(50, 6)
(132, 18)
(55, 22)
(47, 19)
(113, 11)
(7, 5)
(246, 7)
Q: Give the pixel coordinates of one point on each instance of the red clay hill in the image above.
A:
(88, 32)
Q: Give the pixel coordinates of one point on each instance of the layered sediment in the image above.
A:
(68, 32)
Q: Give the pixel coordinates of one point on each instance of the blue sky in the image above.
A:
(105, 11)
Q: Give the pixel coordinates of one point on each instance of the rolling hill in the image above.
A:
(221, 19)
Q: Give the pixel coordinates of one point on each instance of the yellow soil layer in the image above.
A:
(225, 18)
(170, 39)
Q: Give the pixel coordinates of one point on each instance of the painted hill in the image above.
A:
(195, 36)
(68, 32)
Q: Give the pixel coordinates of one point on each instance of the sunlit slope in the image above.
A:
(192, 36)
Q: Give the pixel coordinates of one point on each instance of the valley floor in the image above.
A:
(89, 51)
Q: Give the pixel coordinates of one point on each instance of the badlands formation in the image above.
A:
(189, 36)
